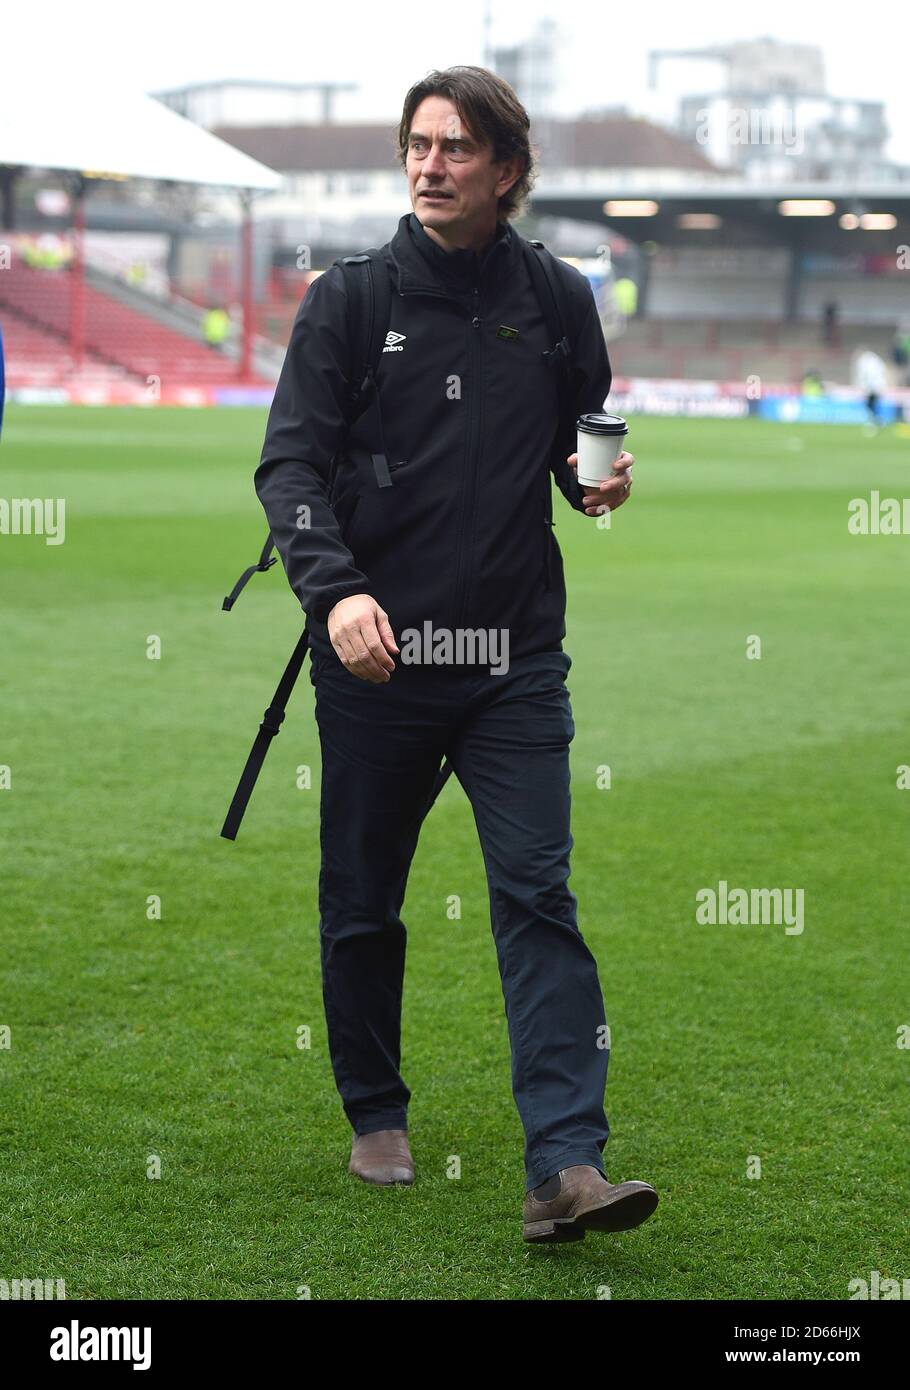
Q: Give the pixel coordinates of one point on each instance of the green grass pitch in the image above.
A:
(134, 1039)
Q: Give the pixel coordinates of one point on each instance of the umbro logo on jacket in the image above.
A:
(393, 341)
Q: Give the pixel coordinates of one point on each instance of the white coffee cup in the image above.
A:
(601, 440)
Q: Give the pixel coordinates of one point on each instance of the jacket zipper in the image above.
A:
(469, 472)
(462, 574)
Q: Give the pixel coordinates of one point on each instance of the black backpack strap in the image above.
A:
(270, 726)
(369, 310)
(554, 303)
(262, 564)
(369, 307)
(369, 296)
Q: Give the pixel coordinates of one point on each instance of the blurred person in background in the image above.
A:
(626, 292)
(900, 352)
(216, 327)
(870, 378)
(812, 384)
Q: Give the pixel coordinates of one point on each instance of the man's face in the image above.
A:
(453, 181)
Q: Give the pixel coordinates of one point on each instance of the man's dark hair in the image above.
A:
(491, 108)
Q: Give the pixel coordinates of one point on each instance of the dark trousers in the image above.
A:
(508, 738)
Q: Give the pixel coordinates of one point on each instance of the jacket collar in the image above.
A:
(421, 264)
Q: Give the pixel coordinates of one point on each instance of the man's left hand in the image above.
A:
(611, 493)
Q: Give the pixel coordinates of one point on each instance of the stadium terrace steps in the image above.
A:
(22, 342)
(37, 357)
(758, 333)
(115, 333)
(708, 350)
(729, 364)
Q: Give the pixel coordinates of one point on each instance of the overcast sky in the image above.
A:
(386, 46)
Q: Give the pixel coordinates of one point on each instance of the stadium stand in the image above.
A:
(34, 357)
(720, 350)
(36, 307)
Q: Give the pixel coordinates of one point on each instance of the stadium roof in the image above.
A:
(748, 213)
(611, 142)
(99, 130)
(263, 84)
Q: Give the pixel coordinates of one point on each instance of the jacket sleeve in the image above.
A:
(305, 427)
(594, 376)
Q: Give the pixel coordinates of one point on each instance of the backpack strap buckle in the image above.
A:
(560, 355)
(272, 720)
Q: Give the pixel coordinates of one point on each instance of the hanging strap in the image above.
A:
(262, 564)
(270, 726)
(369, 305)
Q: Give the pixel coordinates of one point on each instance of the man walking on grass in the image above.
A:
(435, 601)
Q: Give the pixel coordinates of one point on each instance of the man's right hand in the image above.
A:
(360, 632)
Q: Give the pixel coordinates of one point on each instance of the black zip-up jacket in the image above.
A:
(463, 538)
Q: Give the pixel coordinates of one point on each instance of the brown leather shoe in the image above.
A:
(585, 1201)
(382, 1157)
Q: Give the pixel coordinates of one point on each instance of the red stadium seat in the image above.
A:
(36, 307)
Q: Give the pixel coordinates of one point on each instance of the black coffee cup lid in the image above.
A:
(599, 423)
